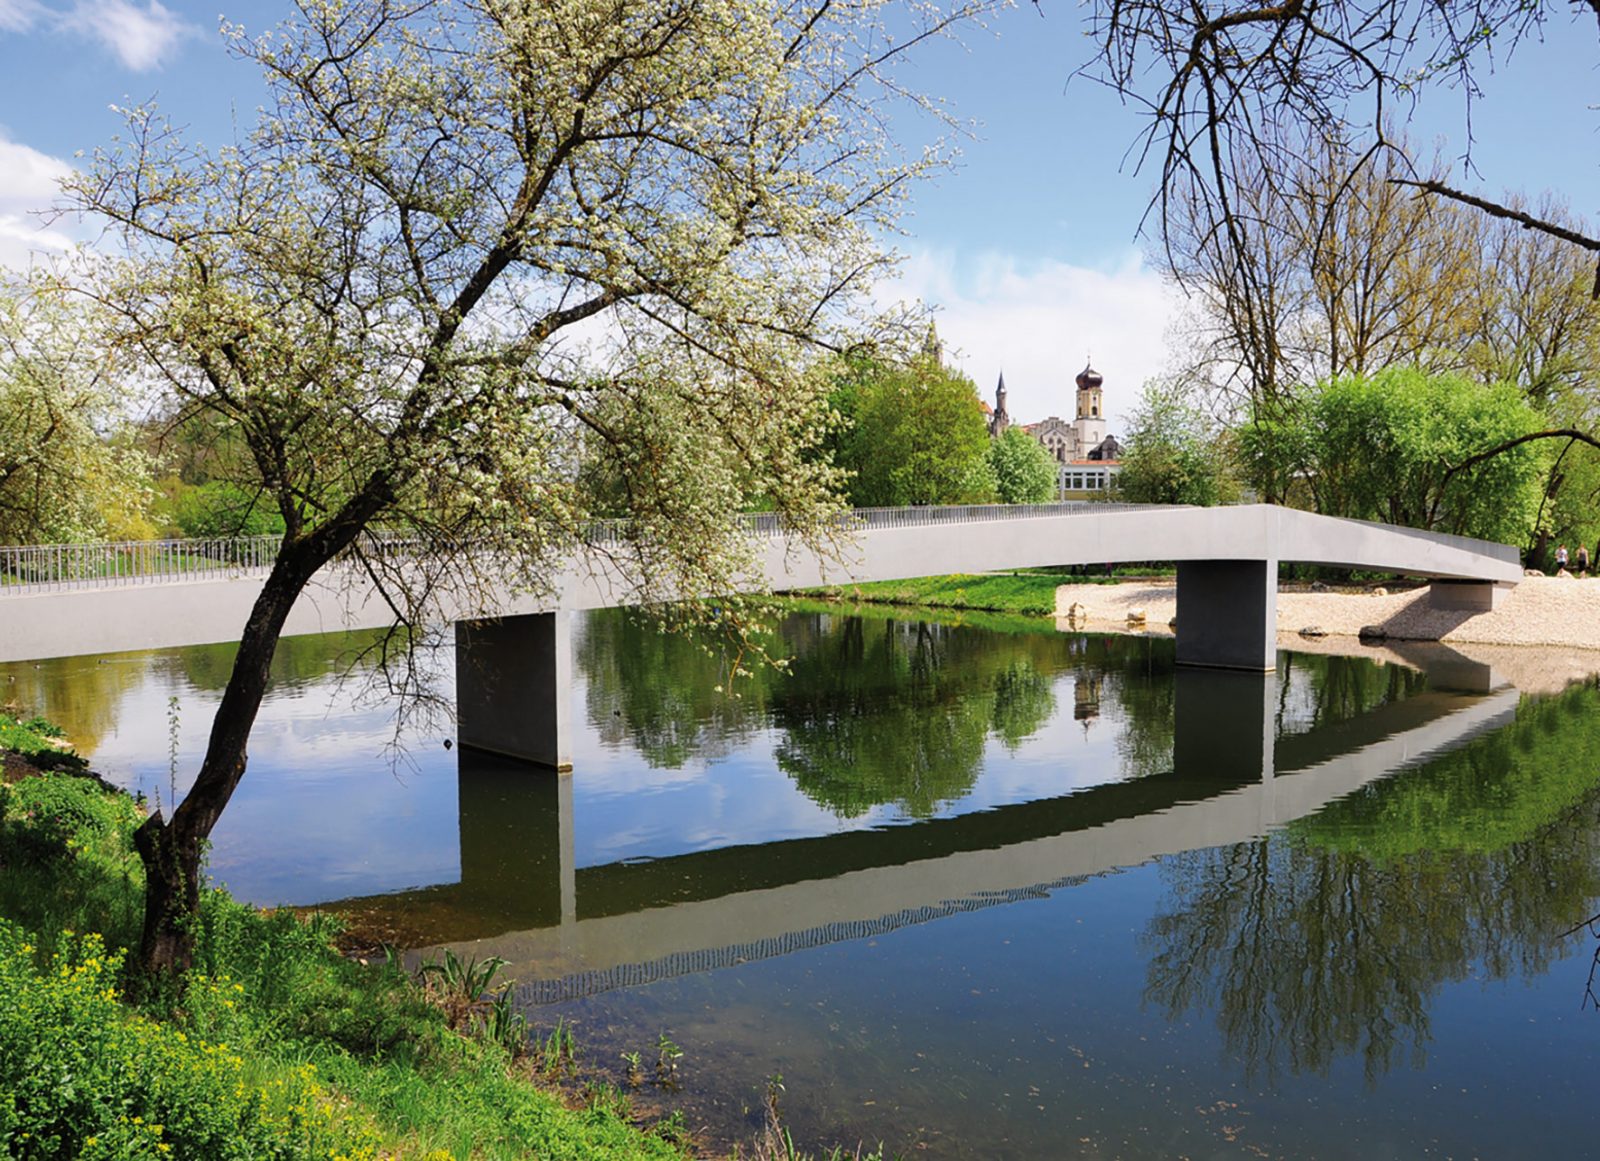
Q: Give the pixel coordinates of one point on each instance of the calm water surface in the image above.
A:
(971, 892)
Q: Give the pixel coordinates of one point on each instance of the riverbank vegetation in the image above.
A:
(272, 1044)
(1031, 592)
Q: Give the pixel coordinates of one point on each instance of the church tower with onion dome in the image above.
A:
(1090, 424)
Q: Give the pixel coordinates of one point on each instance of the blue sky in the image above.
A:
(1028, 248)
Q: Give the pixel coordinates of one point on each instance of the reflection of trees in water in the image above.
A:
(884, 713)
(1023, 702)
(297, 662)
(1309, 952)
(878, 709)
(1142, 689)
(665, 693)
(1317, 690)
(1314, 691)
(83, 695)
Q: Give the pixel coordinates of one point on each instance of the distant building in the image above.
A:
(1087, 458)
(999, 418)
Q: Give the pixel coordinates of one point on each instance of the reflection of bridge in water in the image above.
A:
(569, 931)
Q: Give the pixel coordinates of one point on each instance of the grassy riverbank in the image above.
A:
(1029, 592)
(277, 1045)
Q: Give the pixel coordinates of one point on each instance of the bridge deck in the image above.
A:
(189, 606)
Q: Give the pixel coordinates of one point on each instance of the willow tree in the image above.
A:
(472, 248)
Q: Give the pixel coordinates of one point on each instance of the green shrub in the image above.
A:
(301, 989)
(222, 509)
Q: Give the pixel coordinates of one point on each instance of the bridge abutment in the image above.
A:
(1228, 614)
(513, 677)
(1467, 595)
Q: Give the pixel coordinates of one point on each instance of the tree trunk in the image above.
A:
(171, 849)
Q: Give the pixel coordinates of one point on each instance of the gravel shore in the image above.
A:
(1545, 633)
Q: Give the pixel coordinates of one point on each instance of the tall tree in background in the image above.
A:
(911, 433)
(1024, 471)
(1380, 447)
(472, 244)
(1348, 272)
(1174, 453)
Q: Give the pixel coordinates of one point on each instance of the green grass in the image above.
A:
(277, 1046)
(1027, 592)
(1030, 593)
(38, 741)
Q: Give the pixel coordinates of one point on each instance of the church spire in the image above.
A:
(1001, 419)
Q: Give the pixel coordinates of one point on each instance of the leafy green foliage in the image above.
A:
(66, 858)
(1024, 472)
(1173, 454)
(1378, 448)
(83, 1076)
(911, 434)
(220, 509)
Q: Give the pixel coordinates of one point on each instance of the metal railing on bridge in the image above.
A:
(32, 568)
(37, 568)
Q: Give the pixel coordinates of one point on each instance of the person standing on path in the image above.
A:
(1561, 560)
(1581, 563)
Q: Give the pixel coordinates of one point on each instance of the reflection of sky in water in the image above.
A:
(321, 812)
(325, 811)
(328, 811)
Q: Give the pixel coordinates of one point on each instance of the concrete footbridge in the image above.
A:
(514, 652)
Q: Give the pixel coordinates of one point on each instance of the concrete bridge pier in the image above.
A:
(513, 683)
(1228, 614)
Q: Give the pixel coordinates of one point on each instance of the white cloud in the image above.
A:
(1037, 321)
(28, 184)
(19, 15)
(142, 38)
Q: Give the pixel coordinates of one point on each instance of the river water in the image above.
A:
(972, 890)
